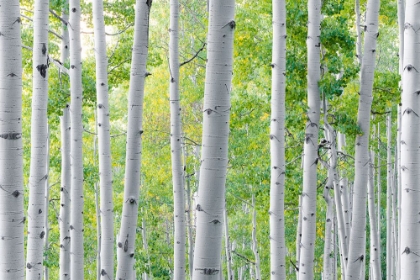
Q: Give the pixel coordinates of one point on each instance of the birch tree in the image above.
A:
(64, 219)
(105, 171)
(76, 189)
(214, 157)
(176, 149)
(127, 234)
(39, 149)
(357, 254)
(410, 142)
(11, 164)
(306, 264)
(278, 88)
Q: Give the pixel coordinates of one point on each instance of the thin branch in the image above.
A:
(56, 62)
(49, 30)
(58, 17)
(192, 58)
(243, 257)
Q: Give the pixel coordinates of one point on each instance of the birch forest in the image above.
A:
(209, 140)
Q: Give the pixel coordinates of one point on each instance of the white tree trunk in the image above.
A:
(176, 149)
(76, 132)
(127, 234)
(389, 234)
(65, 41)
(46, 243)
(379, 189)
(359, 53)
(375, 260)
(104, 147)
(298, 236)
(357, 254)
(214, 158)
(278, 95)
(64, 219)
(11, 164)
(39, 135)
(228, 247)
(410, 142)
(306, 264)
(398, 190)
(254, 240)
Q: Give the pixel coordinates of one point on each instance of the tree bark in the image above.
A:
(278, 93)
(410, 142)
(357, 254)
(306, 264)
(127, 235)
(39, 135)
(375, 260)
(76, 144)
(176, 149)
(64, 219)
(104, 146)
(11, 163)
(214, 158)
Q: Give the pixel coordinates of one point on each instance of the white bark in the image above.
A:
(254, 240)
(379, 187)
(76, 191)
(229, 264)
(65, 42)
(398, 191)
(410, 142)
(46, 243)
(104, 147)
(306, 264)
(64, 219)
(39, 134)
(214, 158)
(11, 164)
(357, 254)
(375, 260)
(189, 228)
(176, 149)
(127, 234)
(358, 32)
(278, 88)
(298, 236)
(389, 235)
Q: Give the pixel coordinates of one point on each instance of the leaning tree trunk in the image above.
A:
(278, 88)
(410, 143)
(11, 164)
(76, 132)
(127, 235)
(104, 146)
(307, 250)
(214, 158)
(357, 254)
(39, 135)
(176, 149)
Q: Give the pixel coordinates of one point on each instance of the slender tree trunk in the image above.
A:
(65, 41)
(298, 236)
(379, 186)
(278, 88)
(39, 136)
(410, 142)
(11, 164)
(389, 235)
(228, 247)
(189, 228)
(306, 264)
(254, 240)
(401, 25)
(176, 149)
(104, 146)
(359, 53)
(64, 219)
(76, 191)
(127, 235)
(46, 243)
(214, 158)
(357, 254)
(375, 261)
